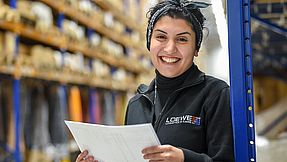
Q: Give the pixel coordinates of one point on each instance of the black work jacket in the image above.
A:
(196, 117)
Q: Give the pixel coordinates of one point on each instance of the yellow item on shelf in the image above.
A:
(11, 122)
(24, 8)
(1, 47)
(9, 47)
(65, 160)
(6, 13)
(36, 156)
(120, 104)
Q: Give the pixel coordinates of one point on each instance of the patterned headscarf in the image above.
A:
(187, 8)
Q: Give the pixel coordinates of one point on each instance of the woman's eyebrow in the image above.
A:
(176, 34)
(161, 31)
(184, 33)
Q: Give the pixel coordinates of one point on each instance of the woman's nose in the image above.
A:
(170, 47)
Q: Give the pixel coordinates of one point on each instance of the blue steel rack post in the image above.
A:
(16, 98)
(240, 60)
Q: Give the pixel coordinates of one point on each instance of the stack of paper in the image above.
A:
(114, 143)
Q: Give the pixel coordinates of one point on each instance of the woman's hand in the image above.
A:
(84, 157)
(163, 153)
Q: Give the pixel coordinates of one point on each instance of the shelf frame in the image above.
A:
(83, 19)
(61, 42)
(241, 81)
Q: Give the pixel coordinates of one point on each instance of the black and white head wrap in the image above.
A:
(190, 10)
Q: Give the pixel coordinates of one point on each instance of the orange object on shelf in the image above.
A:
(75, 105)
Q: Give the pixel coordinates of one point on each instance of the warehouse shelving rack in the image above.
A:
(62, 44)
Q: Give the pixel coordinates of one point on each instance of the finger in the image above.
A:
(156, 160)
(152, 149)
(166, 148)
(157, 149)
(90, 158)
(82, 155)
(155, 156)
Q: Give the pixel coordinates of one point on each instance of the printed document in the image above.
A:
(114, 143)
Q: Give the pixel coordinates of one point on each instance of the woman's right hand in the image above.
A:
(85, 157)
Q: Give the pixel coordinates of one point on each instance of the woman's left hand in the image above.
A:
(163, 153)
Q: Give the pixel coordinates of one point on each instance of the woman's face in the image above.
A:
(172, 46)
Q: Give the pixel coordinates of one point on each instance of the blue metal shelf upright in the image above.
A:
(240, 60)
(16, 98)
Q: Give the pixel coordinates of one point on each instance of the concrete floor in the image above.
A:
(272, 150)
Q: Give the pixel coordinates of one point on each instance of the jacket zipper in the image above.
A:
(147, 98)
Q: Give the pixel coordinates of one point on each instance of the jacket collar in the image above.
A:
(194, 77)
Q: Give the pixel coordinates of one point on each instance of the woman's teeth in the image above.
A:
(169, 59)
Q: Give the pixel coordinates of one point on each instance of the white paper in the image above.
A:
(114, 143)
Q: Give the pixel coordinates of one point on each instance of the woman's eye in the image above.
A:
(160, 37)
(182, 39)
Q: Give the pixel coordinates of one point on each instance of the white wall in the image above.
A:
(213, 57)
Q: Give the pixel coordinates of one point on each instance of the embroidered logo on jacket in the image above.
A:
(189, 119)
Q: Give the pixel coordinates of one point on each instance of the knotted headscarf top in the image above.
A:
(188, 9)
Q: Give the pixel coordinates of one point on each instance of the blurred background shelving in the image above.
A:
(77, 60)
(83, 59)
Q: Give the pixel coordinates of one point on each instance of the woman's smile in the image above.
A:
(169, 60)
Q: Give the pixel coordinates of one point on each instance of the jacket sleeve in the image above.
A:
(219, 136)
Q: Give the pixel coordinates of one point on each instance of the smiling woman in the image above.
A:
(190, 111)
